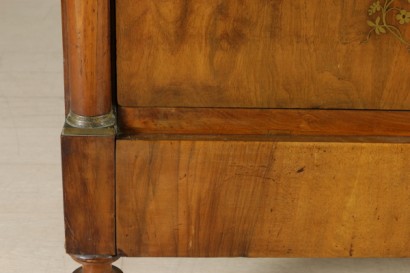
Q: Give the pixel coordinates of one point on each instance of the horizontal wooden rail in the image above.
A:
(264, 122)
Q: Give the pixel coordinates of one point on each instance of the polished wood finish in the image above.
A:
(262, 199)
(88, 154)
(89, 193)
(249, 128)
(88, 54)
(225, 121)
(259, 54)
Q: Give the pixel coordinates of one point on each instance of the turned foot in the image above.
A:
(96, 264)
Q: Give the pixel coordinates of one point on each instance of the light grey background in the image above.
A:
(32, 115)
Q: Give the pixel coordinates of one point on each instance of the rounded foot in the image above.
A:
(114, 270)
(96, 264)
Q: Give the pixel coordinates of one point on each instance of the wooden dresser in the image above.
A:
(226, 128)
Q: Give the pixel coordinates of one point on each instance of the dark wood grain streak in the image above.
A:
(89, 190)
(225, 121)
(89, 56)
(185, 198)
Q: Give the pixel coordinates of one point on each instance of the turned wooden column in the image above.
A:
(88, 62)
(88, 138)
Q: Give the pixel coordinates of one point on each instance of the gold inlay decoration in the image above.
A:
(379, 12)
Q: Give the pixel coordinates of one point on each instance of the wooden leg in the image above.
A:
(96, 264)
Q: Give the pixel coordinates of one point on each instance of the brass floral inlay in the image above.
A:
(379, 11)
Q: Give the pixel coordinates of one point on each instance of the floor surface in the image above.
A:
(31, 115)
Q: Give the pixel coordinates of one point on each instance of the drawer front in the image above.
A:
(197, 198)
(264, 53)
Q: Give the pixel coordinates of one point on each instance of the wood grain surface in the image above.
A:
(227, 121)
(259, 54)
(262, 199)
(86, 26)
(89, 194)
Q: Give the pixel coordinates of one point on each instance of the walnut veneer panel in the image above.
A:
(257, 199)
(259, 53)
